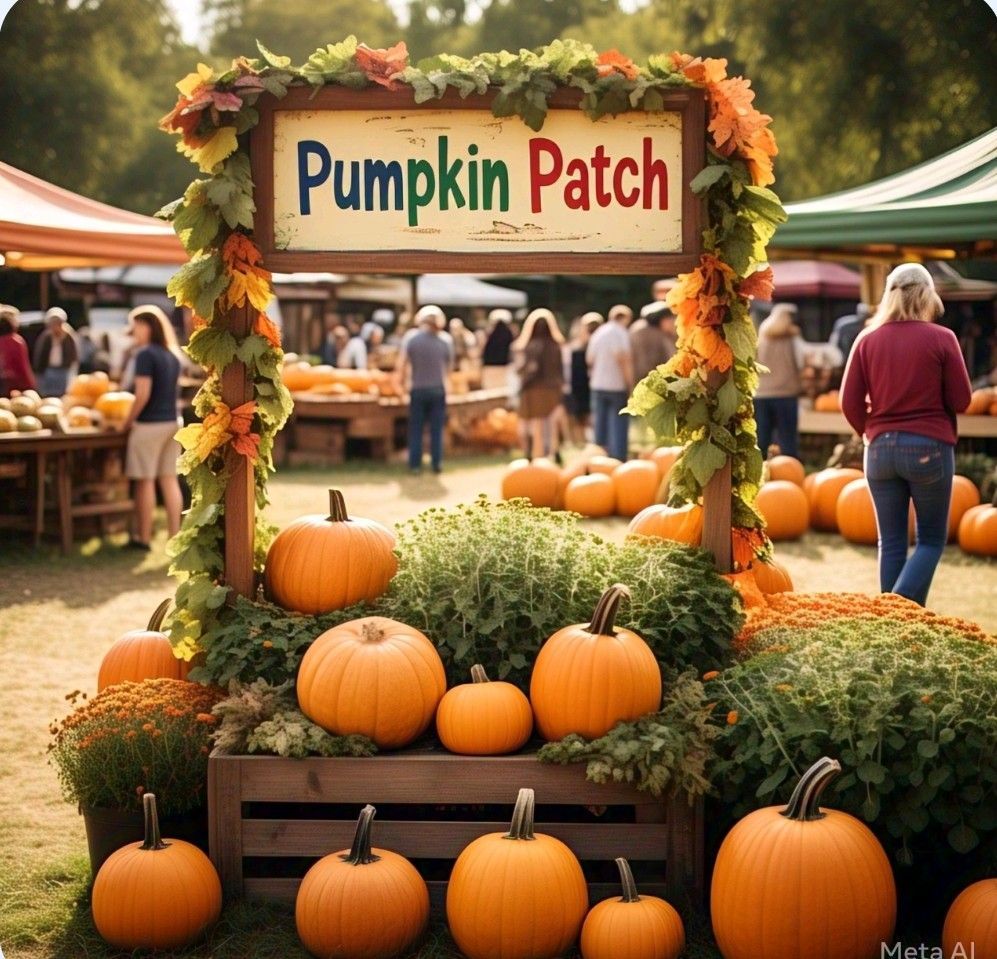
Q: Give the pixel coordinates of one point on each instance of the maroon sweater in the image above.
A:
(907, 376)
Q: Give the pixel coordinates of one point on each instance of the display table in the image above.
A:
(835, 424)
(89, 479)
(321, 424)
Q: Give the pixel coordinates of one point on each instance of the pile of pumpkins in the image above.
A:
(20, 413)
(300, 376)
(982, 403)
(498, 428)
(28, 412)
(96, 391)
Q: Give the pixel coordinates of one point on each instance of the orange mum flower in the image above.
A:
(704, 70)
(382, 66)
(612, 61)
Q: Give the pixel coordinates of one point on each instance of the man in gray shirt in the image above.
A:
(424, 361)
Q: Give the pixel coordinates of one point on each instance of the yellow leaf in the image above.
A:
(192, 81)
(209, 154)
(258, 290)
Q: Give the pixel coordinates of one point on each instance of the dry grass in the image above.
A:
(58, 616)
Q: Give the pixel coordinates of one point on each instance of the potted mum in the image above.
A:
(131, 739)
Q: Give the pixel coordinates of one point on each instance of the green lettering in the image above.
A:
(448, 177)
(496, 170)
(417, 198)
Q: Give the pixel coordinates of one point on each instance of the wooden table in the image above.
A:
(42, 450)
(835, 424)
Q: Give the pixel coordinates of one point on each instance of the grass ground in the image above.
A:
(59, 614)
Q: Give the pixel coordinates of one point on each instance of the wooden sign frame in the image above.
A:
(690, 102)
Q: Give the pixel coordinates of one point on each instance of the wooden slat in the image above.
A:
(446, 840)
(225, 824)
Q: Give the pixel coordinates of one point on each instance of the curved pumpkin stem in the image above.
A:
(478, 674)
(360, 854)
(521, 826)
(804, 804)
(156, 619)
(337, 507)
(153, 840)
(627, 881)
(604, 618)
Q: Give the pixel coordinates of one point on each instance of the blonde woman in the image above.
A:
(538, 363)
(782, 351)
(904, 384)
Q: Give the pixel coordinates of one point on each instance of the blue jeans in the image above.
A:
(426, 404)
(612, 428)
(901, 467)
(778, 418)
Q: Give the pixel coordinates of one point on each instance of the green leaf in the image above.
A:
(661, 420)
(212, 346)
(728, 399)
(772, 782)
(963, 839)
(198, 283)
(197, 224)
(169, 211)
(652, 101)
(281, 63)
(741, 338)
(703, 459)
(708, 176)
(763, 202)
(927, 748)
(869, 771)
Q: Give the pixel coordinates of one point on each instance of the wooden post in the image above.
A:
(716, 503)
(240, 492)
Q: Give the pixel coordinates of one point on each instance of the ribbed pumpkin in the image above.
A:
(801, 882)
(824, 492)
(141, 654)
(372, 676)
(772, 577)
(971, 922)
(157, 894)
(362, 902)
(664, 457)
(602, 464)
(322, 563)
(683, 524)
(632, 926)
(978, 530)
(785, 508)
(965, 496)
(537, 480)
(516, 895)
(589, 677)
(593, 495)
(636, 483)
(855, 515)
(482, 718)
(788, 468)
(568, 473)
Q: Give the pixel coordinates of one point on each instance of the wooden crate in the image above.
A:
(270, 818)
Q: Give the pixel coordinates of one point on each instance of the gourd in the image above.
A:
(516, 895)
(482, 718)
(589, 677)
(157, 894)
(537, 480)
(322, 563)
(362, 902)
(971, 922)
(636, 485)
(593, 495)
(829, 402)
(683, 524)
(785, 508)
(142, 654)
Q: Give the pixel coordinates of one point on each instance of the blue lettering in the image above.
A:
(306, 180)
(351, 200)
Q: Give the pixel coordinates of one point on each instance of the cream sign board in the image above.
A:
(417, 187)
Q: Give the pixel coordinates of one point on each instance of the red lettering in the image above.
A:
(576, 191)
(600, 163)
(538, 179)
(631, 198)
(654, 170)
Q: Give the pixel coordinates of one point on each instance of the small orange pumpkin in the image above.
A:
(772, 577)
(632, 926)
(978, 530)
(785, 508)
(142, 654)
(979, 404)
(824, 492)
(965, 496)
(518, 895)
(593, 495)
(115, 406)
(361, 902)
(971, 922)
(664, 457)
(374, 677)
(855, 515)
(157, 894)
(829, 402)
(788, 468)
(637, 484)
(482, 718)
(322, 563)
(537, 480)
(683, 524)
(589, 677)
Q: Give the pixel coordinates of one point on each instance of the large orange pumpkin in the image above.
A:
(322, 563)
(537, 480)
(568, 473)
(482, 718)
(589, 677)
(602, 464)
(664, 457)
(971, 922)
(632, 926)
(979, 404)
(855, 514)
(591, 495)
(772, 577)
(361, 902)
(375, 677)
(683, 524)
(636, 483)
(157, 894)
(802, 882)
(516, 895)
(142, 654)
(781, 467)
(824, 492)
(978, 530)
(785, 508)
(965, 496)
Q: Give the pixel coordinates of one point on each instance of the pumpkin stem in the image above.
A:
(604, 618)
(521, 826)
(370, 632)
(153, 840)
(156, 620)
(337, 507)
(478, 674)
(360, 854)
(804, 803)
(627, 881)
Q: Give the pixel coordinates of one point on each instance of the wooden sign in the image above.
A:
(368, 181)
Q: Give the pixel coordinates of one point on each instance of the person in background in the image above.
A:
(464, 343)
(660, 289)
(578, 395)
(904, 384)
(152, 423)
(495, 356)
(57, 354)
(782, 350)
(351, 351)
(611, 378)
(538, 362)
(847, 328)
(650, 347)
(15, 365)
(424, 361)
(376, 350)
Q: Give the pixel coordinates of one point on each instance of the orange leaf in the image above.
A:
(759, 285)
(747, 544)
(699, 69)
(266, 328)
(612, 61)
(382, 65)
(751, 595)
(242, 418)
(734, 121)
(247, 444)
(247, 277)
(713, 348)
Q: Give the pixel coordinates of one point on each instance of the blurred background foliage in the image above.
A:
(858, 90)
